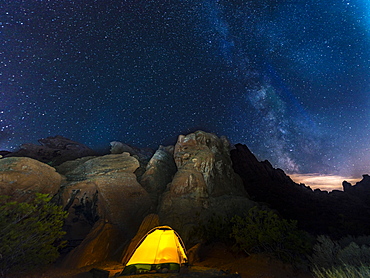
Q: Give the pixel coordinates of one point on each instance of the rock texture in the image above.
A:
(141, 153)
(53, 150)
(336, 213)
(22, 177)
(104, 188)
(158, 173)
(150, 221)
(104, 242)
(204, 185)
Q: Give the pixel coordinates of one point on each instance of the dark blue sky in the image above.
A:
(290, 79)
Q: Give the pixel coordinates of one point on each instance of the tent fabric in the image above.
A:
(160, 248)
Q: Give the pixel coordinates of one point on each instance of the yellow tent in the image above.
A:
(161, 249)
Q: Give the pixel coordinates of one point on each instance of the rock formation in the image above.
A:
(22, 177)
(204, 185)
(53, 150)
(336, 213)
(198, 179)
(103, 188)
(158, 173)
(361, 189)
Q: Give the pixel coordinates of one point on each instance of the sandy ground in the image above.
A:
(217, 261)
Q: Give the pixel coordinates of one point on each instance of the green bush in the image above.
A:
(263, 231)
(348, 257)
(29, 232)
(215, 228)
(344, 271)
(325, 253)
(359, 240)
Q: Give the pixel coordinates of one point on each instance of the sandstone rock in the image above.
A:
(119, 147)
(141, 153)
(70, 165)
(104, 188)
(205, 153)
(150, 221)
(103, 165)
(22, 177)
(194, 254)
(159, 172)
(104, 242)
(202, 185)
(122, 200)
(54, 150)
(80, 199)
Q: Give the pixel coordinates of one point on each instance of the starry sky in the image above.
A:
(290, 79)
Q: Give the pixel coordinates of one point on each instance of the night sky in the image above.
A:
(290, 79)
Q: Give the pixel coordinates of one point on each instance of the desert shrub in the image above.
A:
(28, 233)
(354, 255)
(344, 271)
(325, 252)
(359, 240)
(328, 253)
(216, 228)
(343, 258)
(263, 231)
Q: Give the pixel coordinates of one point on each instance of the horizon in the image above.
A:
(324, 182)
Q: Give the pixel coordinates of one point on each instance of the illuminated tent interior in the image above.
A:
(160, 250)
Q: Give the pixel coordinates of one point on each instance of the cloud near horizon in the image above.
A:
(323, 182)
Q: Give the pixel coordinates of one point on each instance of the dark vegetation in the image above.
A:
(30, 233)
(262, 230)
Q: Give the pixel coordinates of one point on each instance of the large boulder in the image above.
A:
(205, 185)
(143, 155)
(22, 177)
(80, 199)
(159, 172)
(104, 166)
(104, 188)
(206, 154)
(150, 221)
(105, 242)
(70, 165)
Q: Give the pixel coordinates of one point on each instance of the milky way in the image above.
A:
(290, 79)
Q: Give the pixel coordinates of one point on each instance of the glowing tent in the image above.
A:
(160, 250)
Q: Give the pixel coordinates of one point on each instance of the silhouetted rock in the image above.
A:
(4, 153)
(336, 213)
(22, 177)
(141, 153)
(360, 189)
(53, 150)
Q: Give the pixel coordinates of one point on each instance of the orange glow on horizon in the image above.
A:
(323, 182)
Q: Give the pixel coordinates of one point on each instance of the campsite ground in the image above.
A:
(217, 261)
